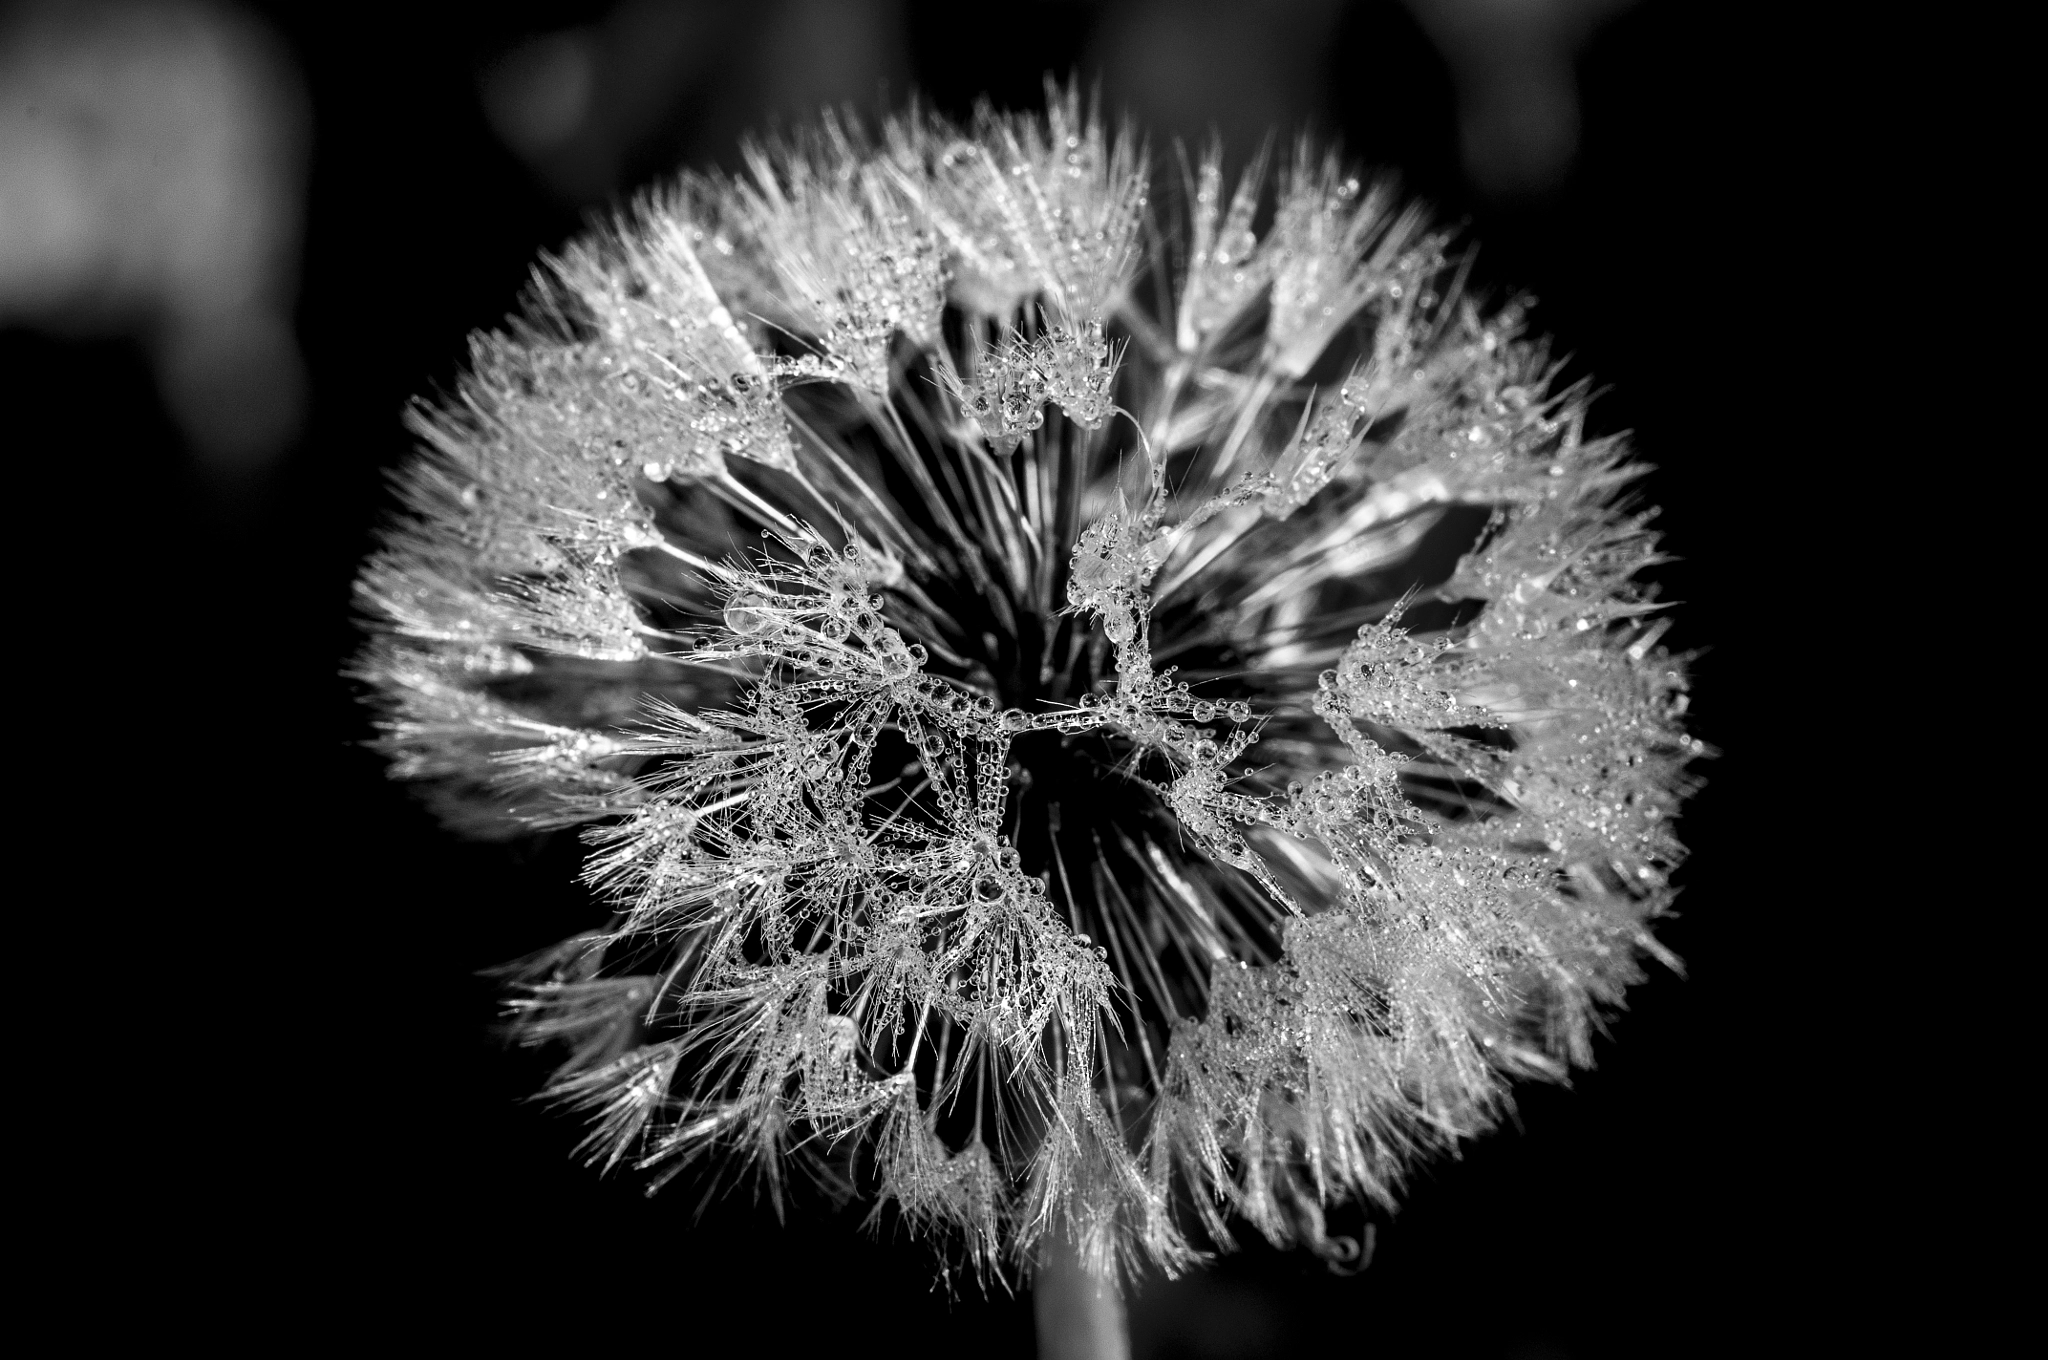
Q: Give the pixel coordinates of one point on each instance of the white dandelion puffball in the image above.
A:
(1090, 719)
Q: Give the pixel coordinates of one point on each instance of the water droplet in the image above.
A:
(747, 615)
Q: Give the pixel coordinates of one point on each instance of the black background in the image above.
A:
(293, 1119)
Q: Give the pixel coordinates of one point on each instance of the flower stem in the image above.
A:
(1080, 1314)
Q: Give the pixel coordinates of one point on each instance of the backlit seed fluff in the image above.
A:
(1093, 712)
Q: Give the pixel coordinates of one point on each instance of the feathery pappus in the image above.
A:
(1093, 715)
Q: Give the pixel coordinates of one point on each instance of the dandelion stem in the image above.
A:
(1080, 1314)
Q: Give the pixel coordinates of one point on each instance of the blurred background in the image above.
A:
(235, 238)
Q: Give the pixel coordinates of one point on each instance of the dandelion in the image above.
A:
(1087, 729)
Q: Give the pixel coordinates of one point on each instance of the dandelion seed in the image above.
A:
(1037, 774)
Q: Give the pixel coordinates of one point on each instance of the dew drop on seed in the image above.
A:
(748, 616)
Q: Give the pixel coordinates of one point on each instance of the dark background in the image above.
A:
(294, 1108)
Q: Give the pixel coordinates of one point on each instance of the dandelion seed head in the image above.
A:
(1089, 719)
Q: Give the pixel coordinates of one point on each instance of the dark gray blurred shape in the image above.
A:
(1186, 68)
(152, 177)
(661, 82)
(596, 108)
(1513, 62)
